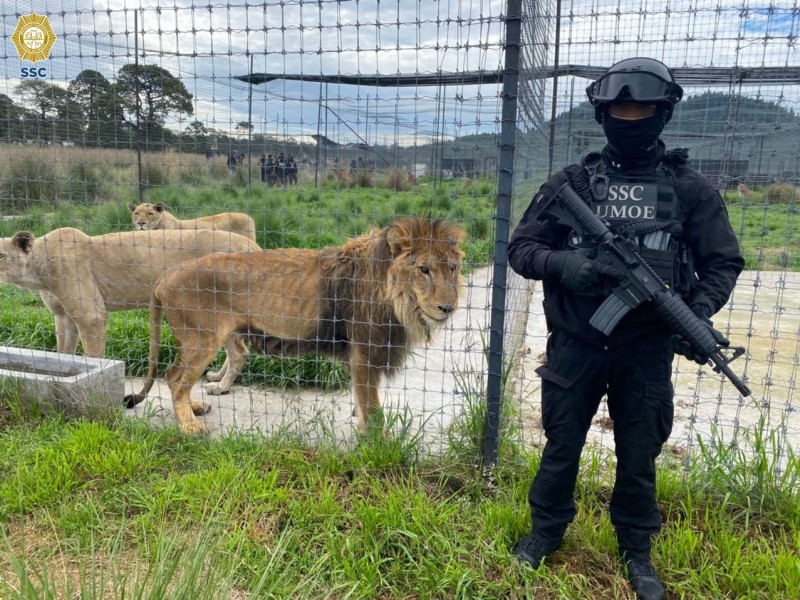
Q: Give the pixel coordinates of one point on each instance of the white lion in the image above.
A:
(81, 279)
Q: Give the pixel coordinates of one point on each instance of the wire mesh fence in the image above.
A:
(320, 122)
(737, 64)
(314, 124)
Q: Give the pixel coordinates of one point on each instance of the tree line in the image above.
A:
(94, 111)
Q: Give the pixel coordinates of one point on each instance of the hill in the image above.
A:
(708, 113)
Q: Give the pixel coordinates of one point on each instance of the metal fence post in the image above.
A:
(505, 184)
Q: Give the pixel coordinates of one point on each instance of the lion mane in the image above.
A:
(367, 302)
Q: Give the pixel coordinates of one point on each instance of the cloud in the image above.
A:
(207, 45)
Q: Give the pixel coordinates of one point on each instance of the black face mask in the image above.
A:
(632, 138)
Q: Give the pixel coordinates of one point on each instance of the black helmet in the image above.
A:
(637, 80)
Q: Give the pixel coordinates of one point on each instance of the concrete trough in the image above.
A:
(63, 377)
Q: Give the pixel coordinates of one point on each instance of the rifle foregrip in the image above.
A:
(681, 320)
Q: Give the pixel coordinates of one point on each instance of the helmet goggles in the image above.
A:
(641, 87)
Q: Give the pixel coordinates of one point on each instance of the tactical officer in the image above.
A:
(269, 165)
(262, 164)
(681, 226)
(280, 169)
(291, 170)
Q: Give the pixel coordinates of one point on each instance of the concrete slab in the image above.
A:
(63, 377)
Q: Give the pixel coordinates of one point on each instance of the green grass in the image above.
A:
(300, 216)
(767, 232)
(117, 509)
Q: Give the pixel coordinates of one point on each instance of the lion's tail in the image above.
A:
(156, 309)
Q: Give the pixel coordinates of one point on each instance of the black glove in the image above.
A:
(578, 272)
(682, 346)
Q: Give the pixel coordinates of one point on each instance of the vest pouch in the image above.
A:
(662, 262)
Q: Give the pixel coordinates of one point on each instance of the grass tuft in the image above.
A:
(30, 179)
(112, 510)
(757, 470)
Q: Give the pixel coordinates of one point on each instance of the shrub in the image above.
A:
(467, 187)
(218, 170)
(480, 229)
(443, 202)
(240, 176)
(364, 179)
(781, 193)
(85, 182)
(31, 178)
(191, 174)
(402, 206)
(336, 179)
(486, 188)
(397, 181)
(326, 177)
(154, 175)
(353, 205)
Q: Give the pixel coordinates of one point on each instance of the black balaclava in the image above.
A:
(634, 140)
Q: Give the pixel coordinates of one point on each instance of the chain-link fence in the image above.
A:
(315, 123)
(738, 118)
(319, 122)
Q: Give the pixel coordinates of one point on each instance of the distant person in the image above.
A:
(695, 252)
(291, 170)
(280, 169)
(270, 166)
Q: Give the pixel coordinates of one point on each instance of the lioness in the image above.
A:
(147, 217)
(367, 302)
(82, 278)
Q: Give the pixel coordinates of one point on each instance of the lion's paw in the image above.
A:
(213, 375)
(200, 408)
(193, 426)
(216, 389)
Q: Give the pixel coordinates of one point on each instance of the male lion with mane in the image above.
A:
(367, 302)
(148, 217)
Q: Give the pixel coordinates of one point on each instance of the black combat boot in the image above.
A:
(532, 550)
(644, 580)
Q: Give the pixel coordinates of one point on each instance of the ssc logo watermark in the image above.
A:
(33, 39)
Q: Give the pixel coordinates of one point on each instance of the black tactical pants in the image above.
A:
(637, 379)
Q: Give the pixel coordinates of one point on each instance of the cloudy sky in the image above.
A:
(207, 45)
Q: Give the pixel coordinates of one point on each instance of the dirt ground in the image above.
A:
(763, 315)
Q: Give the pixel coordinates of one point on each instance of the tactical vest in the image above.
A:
(641, 208)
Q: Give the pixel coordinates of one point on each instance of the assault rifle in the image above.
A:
(639, 284)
